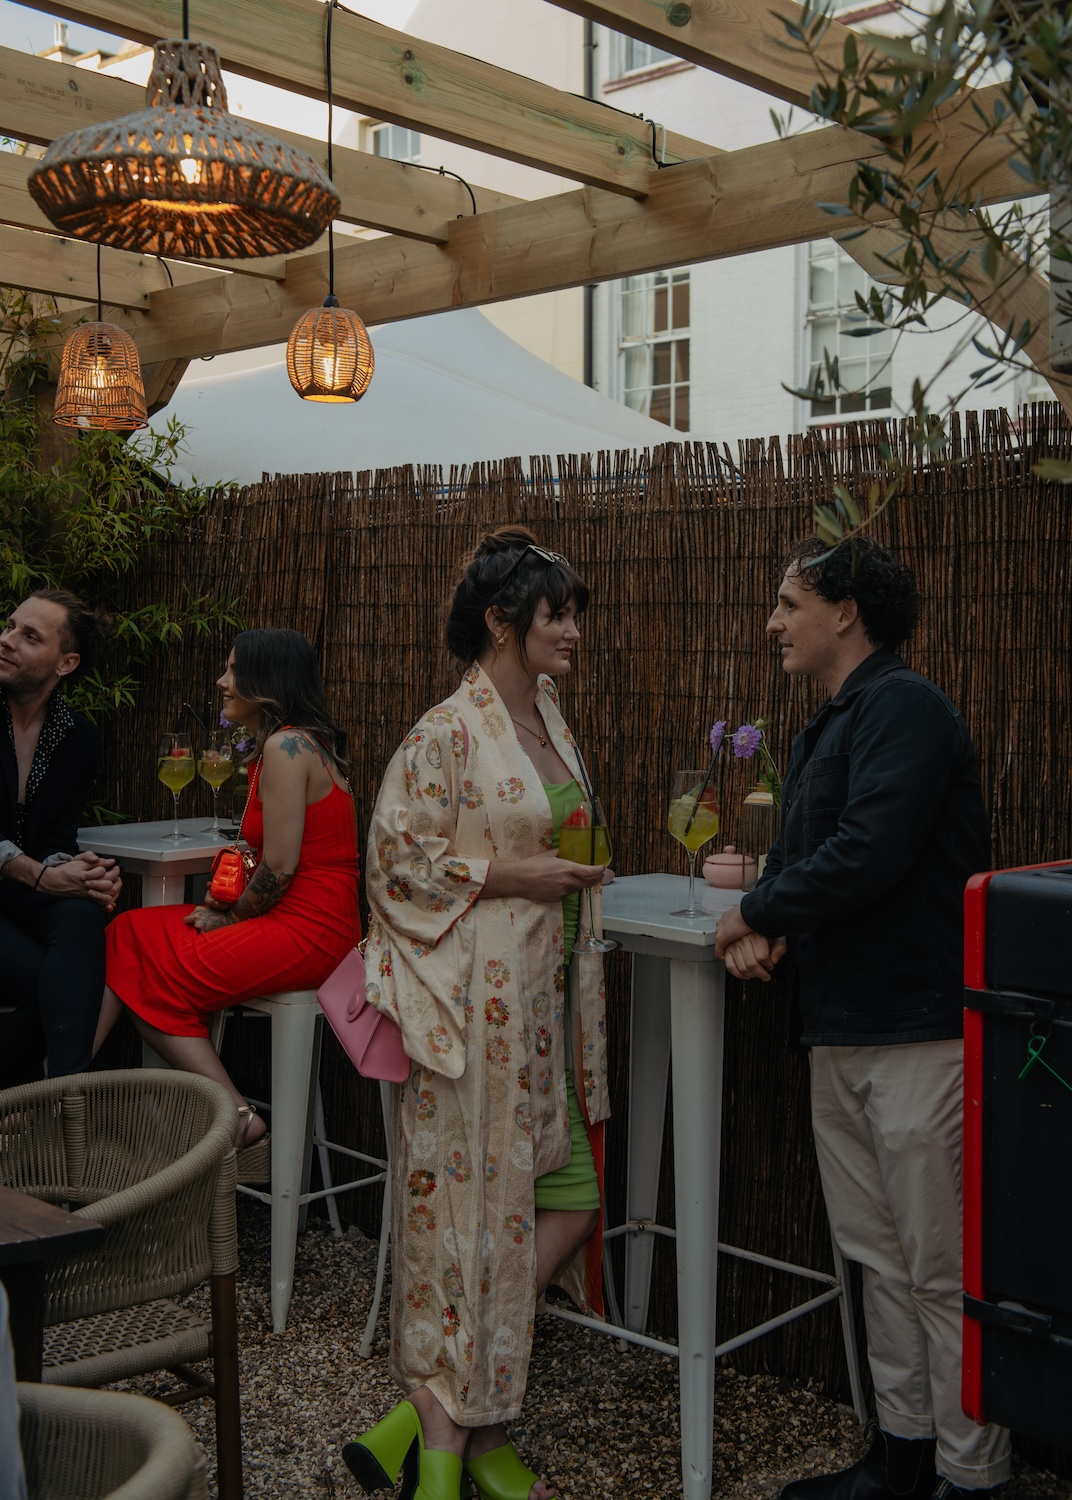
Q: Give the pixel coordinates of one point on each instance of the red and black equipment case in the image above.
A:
(1018, 1150)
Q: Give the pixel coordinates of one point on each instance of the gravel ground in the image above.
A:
(603, 1423)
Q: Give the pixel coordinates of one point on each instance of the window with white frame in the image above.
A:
(396, 142)
(864, 385)
(653, 346)
(627, 55)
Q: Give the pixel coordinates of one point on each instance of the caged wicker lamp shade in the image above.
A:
(100, 383)
(329, 354)
(184, 177)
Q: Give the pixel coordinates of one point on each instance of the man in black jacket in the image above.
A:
(53, 900)
(882, 824)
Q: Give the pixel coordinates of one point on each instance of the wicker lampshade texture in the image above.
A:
(100, 382)
(329, 354)
(183, 177)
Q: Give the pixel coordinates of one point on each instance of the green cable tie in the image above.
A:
(1034, 1047)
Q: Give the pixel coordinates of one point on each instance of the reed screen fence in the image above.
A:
(682, 549)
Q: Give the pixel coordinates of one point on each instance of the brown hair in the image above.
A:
(504, 570)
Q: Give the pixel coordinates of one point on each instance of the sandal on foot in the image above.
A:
(253, 1163)
(392, 1447)
(500, 1475)
(396, 1445)
(439, 1477)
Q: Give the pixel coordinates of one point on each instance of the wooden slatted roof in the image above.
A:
(628, 215)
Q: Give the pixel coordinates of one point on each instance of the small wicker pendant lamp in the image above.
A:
(100, 383)
(329, 352)
(183, 177)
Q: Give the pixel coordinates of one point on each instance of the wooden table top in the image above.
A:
(33, 1231)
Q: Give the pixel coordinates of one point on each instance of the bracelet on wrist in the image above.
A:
(40, 877)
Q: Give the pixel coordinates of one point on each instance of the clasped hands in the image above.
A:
(88, 875)
(211, 915)
(747, 954)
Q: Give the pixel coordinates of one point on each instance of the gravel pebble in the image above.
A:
(602, 1422)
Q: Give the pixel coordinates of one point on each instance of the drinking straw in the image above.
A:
(196, 717)
(591, 803)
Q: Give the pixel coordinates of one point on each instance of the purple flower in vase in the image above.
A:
(746, 741)
(243, 744)
(718, 730)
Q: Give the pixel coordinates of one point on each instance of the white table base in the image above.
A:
(678, 1010)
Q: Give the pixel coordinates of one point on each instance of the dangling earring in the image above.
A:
(500, 642)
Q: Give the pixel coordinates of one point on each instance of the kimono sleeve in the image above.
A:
(421, 889)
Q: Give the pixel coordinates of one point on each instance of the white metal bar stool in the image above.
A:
(297, 1125)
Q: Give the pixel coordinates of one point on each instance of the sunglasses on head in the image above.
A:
(541, 552)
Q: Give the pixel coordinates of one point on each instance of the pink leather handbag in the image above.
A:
(371, 1040)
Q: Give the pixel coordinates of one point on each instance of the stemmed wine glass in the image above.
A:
(693, 821)
(175, 768)
(214, 765)
(584, 838)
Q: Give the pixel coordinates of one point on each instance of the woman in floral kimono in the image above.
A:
(495, 1186)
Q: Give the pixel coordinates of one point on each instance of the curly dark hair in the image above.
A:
(505, 570)
(884, 589)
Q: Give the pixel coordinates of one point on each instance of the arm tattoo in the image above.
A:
(264, 891)
(294, 744)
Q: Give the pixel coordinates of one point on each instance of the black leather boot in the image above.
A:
(893, 1468)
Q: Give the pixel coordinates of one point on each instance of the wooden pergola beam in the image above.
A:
(384, 73)
(41, 99)
(731, 204)
(741, 39)
(62, 267)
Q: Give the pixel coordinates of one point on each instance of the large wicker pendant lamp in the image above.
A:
(100, 383)
(183, 177)
(329, 352)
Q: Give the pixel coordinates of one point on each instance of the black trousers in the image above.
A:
(52, 969)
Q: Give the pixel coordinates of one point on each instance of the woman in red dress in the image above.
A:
(172, 967)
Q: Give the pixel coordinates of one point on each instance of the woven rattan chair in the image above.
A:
(100, 1445)
(149, 1154)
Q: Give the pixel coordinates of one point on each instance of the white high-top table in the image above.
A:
(143, 849)
(678, 1010)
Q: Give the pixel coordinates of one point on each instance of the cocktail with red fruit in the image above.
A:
(175, 768)
(693, 821)
(584, 838)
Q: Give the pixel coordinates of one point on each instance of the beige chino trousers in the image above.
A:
(888, 1127)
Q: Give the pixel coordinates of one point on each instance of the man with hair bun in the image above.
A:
(882, 824)
(53, 899)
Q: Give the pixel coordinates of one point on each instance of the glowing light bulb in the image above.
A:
(191, 170)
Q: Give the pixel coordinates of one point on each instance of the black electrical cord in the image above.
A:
(442, 172)
(330, 300)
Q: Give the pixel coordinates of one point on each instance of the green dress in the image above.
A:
(574, 1186)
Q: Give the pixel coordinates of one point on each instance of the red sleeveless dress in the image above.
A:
(175, 977)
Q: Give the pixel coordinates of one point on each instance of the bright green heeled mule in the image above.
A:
(500, 1475)
(395, 1445)
(440, 1476)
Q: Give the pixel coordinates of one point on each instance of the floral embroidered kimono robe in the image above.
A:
(478, 988)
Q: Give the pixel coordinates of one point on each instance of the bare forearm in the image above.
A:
(265, 890)
(541, 877)
(24, 869)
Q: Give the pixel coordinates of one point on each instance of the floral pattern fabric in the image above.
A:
(478, 988)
